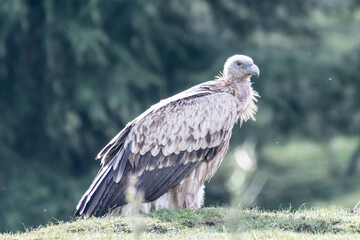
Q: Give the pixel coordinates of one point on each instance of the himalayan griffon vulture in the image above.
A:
(174, 146)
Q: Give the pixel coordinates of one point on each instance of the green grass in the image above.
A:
(208, 223)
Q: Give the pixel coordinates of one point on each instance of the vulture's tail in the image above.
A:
(99, 198)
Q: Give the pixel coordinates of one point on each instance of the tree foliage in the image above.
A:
(72, 73)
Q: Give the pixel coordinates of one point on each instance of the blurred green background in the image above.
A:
(73, 73)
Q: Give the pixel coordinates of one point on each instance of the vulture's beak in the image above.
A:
(253, 70)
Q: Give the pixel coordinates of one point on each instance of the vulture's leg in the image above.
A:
(199, 200)
(129, 208)
(189, 193)
(145, 207)
(194, 200)
(162, 202)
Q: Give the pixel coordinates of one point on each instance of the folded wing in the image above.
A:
(160, 147)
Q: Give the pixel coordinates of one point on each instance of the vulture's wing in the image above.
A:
(161, 147)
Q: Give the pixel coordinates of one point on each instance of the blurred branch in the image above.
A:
(353, 161)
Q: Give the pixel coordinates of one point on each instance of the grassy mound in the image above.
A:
(208, 223)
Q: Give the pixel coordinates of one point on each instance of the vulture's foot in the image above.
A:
(191, 202)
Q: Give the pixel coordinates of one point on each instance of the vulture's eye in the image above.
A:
(239, 64)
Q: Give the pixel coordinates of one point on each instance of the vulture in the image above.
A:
(175, 146)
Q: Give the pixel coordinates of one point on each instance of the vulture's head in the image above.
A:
(239, 68)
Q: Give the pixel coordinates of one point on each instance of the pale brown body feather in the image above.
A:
(172, 148)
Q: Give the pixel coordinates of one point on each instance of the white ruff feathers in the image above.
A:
(251, 109)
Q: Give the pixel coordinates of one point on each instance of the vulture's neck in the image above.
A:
(246, 98)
